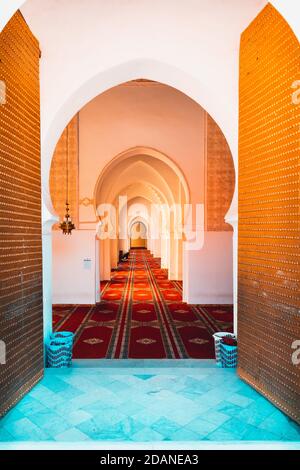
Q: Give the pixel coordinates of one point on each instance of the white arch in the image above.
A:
(151, 69)
(148, 152)
(156, 171)
(138, 219)
(288, 9)
(151, 172)
(221, 108)
(214, 101)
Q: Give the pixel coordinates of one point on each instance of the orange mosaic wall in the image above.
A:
(21, 307)
(269, 217)
(58, 182)
(220, 180)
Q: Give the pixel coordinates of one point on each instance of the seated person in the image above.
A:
(125, 256)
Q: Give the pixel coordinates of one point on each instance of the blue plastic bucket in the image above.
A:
(60, 349)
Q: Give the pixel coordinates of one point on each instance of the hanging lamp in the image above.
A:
(67, 225)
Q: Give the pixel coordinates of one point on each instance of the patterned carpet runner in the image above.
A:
(141, 316)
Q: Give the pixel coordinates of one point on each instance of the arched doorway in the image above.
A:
(145, 177)
(152, 185)
(198, 82)
(138, 235)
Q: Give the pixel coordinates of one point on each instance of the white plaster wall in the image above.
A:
(129, 116)
(8, 9)
(209, 275)
(97, 271)
(288, 9)
(105, 259)
(74, 280)
(88, 48)
(152, 116)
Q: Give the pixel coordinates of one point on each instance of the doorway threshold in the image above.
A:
(144, 363)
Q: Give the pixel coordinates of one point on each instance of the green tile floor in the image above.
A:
(137, 402)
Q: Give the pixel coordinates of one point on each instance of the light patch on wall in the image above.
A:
(2, 92)
(296, 353)
(296, 94)
(2, 353)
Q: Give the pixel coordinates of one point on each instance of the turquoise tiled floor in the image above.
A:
(143, 404)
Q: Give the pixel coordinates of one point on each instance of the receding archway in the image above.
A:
(138, 235)
(152, 175)
(132, 171)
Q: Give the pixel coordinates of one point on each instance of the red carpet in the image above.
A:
(142, 316)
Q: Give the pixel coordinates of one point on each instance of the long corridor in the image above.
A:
(141, 316)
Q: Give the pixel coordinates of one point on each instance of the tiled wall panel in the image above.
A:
(269, 216)
(220, 179)
(21, 317)
(68, 142)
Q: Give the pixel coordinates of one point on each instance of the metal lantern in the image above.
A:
(67, 225)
